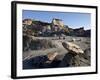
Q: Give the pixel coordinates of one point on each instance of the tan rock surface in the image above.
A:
(73, 48)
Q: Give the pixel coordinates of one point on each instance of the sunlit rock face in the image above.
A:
(57, 24)
(27, 21)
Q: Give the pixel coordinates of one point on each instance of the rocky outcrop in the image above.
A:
(87, 33)
(57, 24)
(57, 27)
(79, 32)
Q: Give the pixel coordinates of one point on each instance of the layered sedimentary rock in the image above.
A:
(55, 27)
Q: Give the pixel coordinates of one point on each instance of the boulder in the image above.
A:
(72, 48)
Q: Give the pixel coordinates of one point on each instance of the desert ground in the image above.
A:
(83, 42)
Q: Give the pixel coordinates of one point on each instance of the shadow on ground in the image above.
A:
(40, 62)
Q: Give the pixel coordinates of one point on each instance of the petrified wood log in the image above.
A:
(72, 48)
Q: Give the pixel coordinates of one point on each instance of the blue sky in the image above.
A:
(72, 19)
